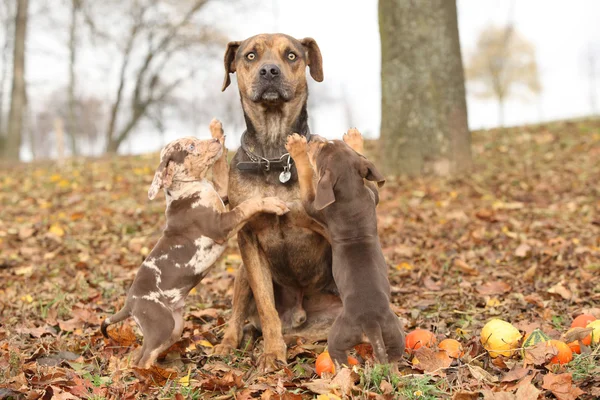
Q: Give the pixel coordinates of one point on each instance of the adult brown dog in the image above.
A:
(287, 260)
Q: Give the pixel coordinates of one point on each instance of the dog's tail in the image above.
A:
(373, 332)
(118, 317)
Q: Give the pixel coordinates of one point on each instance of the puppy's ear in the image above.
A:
(325, 195)
(163, 177)
(229, 62)
(314, 59)
(370, 173)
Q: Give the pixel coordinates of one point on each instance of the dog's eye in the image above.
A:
(251, 56)
(291, 56)
(191, 147)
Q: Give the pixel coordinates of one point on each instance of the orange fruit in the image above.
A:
(352, 361)
(582, 321)
(419, 338)
(452, 347)
(565, 354)
(324, 363)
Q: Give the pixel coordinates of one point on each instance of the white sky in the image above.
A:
(348, 34)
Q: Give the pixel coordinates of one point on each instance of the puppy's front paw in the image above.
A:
(354, 139)
(216, 130)
(296, 145)
(274, 205)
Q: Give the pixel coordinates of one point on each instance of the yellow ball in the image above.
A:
(596, 332)
(500, 338)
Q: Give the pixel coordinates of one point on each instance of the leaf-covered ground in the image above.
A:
(517, 239)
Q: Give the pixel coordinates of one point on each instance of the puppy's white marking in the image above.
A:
(151, 263)
(174, 295)
(155, 297)
(207, 253)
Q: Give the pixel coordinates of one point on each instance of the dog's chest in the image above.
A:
(206, 252)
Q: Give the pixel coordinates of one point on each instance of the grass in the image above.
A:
(421, 387)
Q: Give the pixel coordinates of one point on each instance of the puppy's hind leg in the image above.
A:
(157, 324)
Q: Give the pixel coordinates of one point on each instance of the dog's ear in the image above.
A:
(324, 195)
(314, 59)
(163, 177)
(370, 173)
(229, 59)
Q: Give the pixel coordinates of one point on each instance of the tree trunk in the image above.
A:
(424, 127)
(72, 126)
(17, 102)
(501, 112)
(4, 71)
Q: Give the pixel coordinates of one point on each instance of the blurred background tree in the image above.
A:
(424, 112)
(502, 65)
(18, 94)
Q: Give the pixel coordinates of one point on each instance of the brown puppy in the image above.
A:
(343, 203)
(286, 283)
(197, 230)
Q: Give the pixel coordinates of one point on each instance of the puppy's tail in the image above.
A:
(373, 332)
(118, 317)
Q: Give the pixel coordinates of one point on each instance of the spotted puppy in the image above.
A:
(334, 192)
(197, 230)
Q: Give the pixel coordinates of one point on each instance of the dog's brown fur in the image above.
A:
(287, 260)
(346, 206)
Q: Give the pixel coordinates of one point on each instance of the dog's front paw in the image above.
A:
(216, 130)
(296, 145)
(224, 349)
(354, 139)
(274, 205)
(273, 358)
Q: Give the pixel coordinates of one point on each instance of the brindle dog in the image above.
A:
(287, 259)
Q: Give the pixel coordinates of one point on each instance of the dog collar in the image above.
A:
(260, 163)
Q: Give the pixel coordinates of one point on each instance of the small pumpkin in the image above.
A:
(499, 337)
(419, 338)
(564, 356)
(595, 325)
(582, 321)
(533, 338)
(324, 363)
(452, 347)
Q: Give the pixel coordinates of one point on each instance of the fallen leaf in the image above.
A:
(493, 288)
(481, 374)
(561, 386)
(516, 374)
(465, 268)
(561, 291)
(345, 380)
(57, 230)
(576, 334)
(527, 392)
(432, 361)
(489, 395)
(539, 354)
(523, 250)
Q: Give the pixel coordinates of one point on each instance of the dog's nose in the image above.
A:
(269, 72)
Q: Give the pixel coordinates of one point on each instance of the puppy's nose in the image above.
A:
(270, 72)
